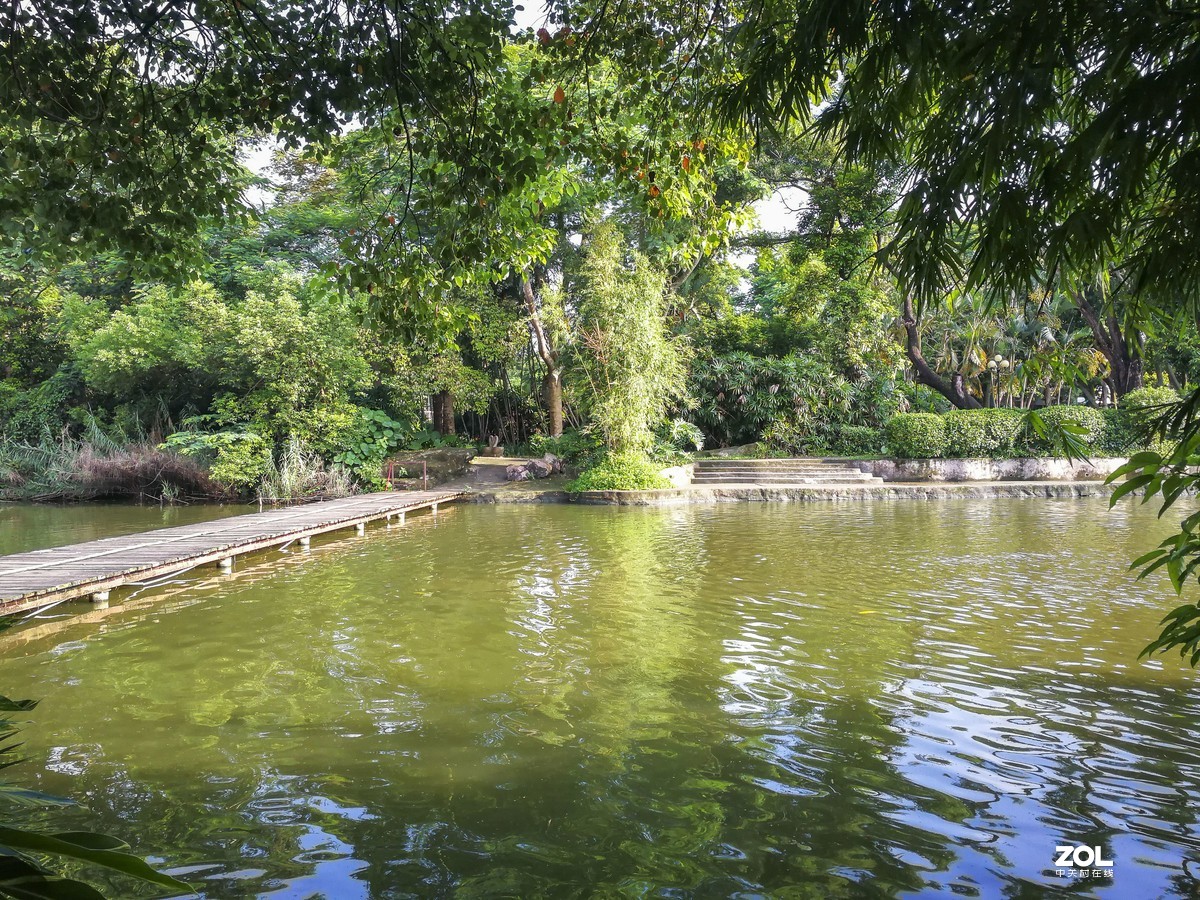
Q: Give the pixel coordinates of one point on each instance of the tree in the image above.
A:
(1043, 140)
(121, 121)
(632, 368)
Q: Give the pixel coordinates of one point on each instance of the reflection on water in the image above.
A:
(33, 526)
(805, 701)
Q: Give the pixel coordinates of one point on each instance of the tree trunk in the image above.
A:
(552, 394)
(552, 379)
(1124, 362)
(955, 390)
(443, 412)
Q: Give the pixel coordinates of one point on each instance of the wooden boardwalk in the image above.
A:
(92, 569)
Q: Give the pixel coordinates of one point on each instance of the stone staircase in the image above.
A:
(801, 471)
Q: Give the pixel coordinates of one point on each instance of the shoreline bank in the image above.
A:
(707, 494)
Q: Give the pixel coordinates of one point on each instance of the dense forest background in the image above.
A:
(562, 257)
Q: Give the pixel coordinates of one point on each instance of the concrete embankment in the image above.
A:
(1053, 490)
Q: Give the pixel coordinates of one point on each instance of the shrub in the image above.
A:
(1094, 420)
(236, 460)
(786, 436)
(916, 436)
(1148, 397)
(620, 472)
(983, 432)
(856, 440)
(683, 435)
(572, 446)
(375, 436)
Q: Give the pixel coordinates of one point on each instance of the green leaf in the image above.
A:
(22, 879)
(119, 862)
(1133, 484)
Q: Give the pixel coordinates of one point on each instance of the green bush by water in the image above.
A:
(620, 472)
(1148, 398)
(1006, 433)
(916, 436)
(983, 432)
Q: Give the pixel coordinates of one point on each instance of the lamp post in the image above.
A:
(1004, 366)
(992, 366)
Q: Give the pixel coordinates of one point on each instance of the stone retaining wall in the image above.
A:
(841, 492)
(986, 470)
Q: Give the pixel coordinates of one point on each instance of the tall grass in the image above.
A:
(302, 475)
(95, 466)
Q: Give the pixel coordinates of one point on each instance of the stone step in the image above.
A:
(830, 470)
(780, 467)
(794, 471)
(753, 471)
(767, 461)
(859, 478)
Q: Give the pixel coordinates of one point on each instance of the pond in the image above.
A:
(825, 700)
(32, 526)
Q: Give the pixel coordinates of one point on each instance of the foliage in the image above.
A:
(683, 435)
(1150, 399)
(1067, 164)
(236, 460)
(1091, 429)
(428, 439)
(916, 436)
(121, 130)
(575, 446)
(740, 398)
(856, 440)
(302, 475)
(632, 367)
(23, 873)
(377, 437)
(626, 471)
(1169, 476)
(983, 432)
(271, 360)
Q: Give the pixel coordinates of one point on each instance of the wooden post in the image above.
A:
(305, 542)
(100, 599)
(360, 528)
(226, 565)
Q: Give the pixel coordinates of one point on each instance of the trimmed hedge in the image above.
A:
(1002, 433)
(916, 436)
(983, 432)
(1094, 420)
(856, 440)
(1149, 397)
(1128, 423)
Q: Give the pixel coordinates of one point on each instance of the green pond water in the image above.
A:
(32, 526)
(745, 700)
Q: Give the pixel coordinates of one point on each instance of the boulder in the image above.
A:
(539, 468)
(534, 468)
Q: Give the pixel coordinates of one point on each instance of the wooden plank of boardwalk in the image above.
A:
(42, 577)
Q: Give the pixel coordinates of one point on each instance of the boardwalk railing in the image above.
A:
(389, 471)
(93, 569)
